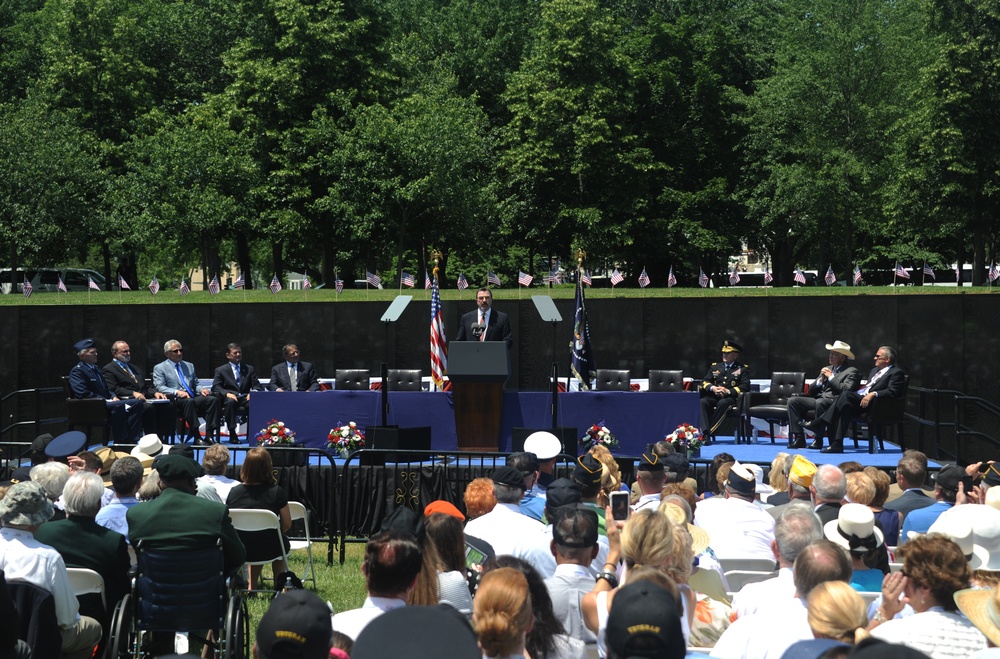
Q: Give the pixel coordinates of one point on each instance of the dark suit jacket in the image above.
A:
(892, 384)
(224, 382)
(909, 501)
(120, 384)
(87, 382)
(828, 512)
(848, 379)
(306, 379)
(178, 521)
(498, 328)
(82, 542)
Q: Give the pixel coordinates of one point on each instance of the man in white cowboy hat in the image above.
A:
(838, 377)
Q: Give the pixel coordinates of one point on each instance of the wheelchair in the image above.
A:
(179, 591)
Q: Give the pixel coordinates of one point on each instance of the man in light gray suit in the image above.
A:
(574, 544)
(175, 378)
(832, 380)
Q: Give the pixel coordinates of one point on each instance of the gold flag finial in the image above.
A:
(436, 255)
(581, 256)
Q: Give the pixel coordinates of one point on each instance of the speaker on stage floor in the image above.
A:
(566, 435)
(394, 437)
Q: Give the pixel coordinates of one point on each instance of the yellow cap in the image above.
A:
(802, 472)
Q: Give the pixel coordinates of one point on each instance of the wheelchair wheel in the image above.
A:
(120, 635)
(236, 635)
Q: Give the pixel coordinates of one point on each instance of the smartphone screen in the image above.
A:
(619, 505)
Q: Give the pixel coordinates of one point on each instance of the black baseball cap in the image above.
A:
(645, 622)
(507, 475)
(562, 492)
(650, 462)
(588, 470)
(296, 626)
(418, 632)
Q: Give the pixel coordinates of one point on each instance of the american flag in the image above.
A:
(958, 274)
(767, 277)
(492, 278)
(61, 286)
(339, 285)
(91, 284)
(27, 288)
(275, 285)
(306, 284)
(439, 343)
(553, 278)
(373, 279)
(122, 284)
(154, 286)
(830, 277)
(929, 271)
(901, 271)
(408, 280)
(702, 278)
(462, 283)
(184, 289)
(993, 273)
(734, 277)
(643, 279)
(800, 277)
(586, 278)
(427, 281)
(616, 278)
(857, 275)
(671, 279)
(240, 282)
(213, 286)
(524, 279)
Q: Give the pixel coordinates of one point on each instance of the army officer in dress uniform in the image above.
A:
(721, 388)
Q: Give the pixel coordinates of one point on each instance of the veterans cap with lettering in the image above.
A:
(587, 471)
(650, 462)
(802, 472)
(297, 625)
(741, 479)
(418, 632)
(644, 622)
(949, 478)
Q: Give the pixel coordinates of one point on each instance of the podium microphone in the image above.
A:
(478, 329)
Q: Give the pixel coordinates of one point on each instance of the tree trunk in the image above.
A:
(106, 254)
(327, 273)
(978, 255)
(243, 257)
(276, 259)
(14, 263)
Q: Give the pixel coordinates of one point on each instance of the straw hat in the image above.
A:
(982, 608)
(699, 536)
(841, 347)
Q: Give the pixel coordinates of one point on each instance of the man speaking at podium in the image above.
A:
(485, 323)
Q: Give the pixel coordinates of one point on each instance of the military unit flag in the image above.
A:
(524, 279)
(439, 342)
(581, 354)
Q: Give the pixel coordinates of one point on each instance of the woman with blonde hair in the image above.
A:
(836, 611)
(502, 613)
(611, 476)
(778, 479)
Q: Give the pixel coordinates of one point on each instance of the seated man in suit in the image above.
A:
(886, 380)
(292, 374)
(126, 380)
(175, 378)
(832, 381)
(87, 381)
(233, 383)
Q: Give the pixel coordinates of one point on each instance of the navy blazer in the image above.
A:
(306, 379)
(225, 383)
(498, 328)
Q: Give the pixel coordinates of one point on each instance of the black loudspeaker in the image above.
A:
(570, 442)
(394, 437)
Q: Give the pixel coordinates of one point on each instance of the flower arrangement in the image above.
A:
(685, 438)
(347, 437)
(275, 432)
(598, 434)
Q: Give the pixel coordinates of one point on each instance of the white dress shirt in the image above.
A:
(22, 558)
(353, 621)
(738, 528)
(536, 548)
(765, 635)
(503, 527)
(760, 596)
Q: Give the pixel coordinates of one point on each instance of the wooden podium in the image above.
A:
(478, 370)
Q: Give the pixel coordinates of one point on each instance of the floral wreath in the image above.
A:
(598, 434)
(346, 437)
(685, 437)
(275, 432)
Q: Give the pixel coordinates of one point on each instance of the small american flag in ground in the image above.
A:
(184, 289)
(275, 285)
(767, 277)
(901, 272)
(27, 288)
(154, 286)
(993, 273)
(213, 286)
(427, 281)
(586, 278)
(91, 284)
(122, 284)
(240, 282)
(702, 278)
(616, 278)
(373, 279)
(800, 277)
(408, 280)
(524, 279)
(643, 279)
(306, 284)
(958, 273)
(462, 282)
(61, 286)
(493, 279)
(734, 277)
(857, 275)
(928, 271)
(671, 279)
(553, 277)
(339, 285)
(830, 277)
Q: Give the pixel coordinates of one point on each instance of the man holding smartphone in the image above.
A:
(651, 476)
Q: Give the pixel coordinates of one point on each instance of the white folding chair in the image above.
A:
(739, 578)
(85, 582)
(256, 519)
(298, 511)
(749, 564)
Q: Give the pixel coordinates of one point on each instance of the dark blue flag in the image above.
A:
(581, 356)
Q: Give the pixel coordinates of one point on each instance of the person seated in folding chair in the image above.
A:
(720, 390)
(259, 491)
(86, 380)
